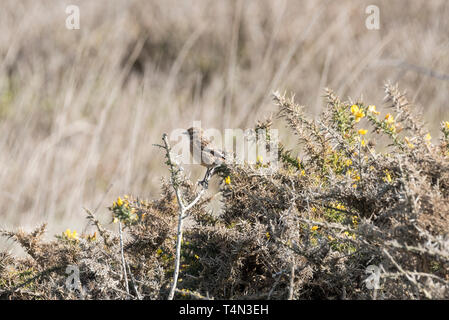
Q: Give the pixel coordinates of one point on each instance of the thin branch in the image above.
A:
(175, 181)
(292, 282)
(125, 276)
(133, 282)
(198, 197)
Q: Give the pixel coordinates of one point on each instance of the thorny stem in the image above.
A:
(292, 282)
(182, 212)
(133, 282)
(125, 276)
(360, 160)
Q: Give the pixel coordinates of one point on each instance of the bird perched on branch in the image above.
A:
(205, 153)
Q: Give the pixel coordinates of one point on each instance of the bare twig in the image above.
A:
(133, 283)
(292, 282)
(175, 181)
(123, 257)
(276, 282)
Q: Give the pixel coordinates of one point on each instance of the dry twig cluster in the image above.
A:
(310, 229)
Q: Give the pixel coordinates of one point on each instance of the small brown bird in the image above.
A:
(204, 152)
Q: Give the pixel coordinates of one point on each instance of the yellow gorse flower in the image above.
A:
(389, 118)
(446, 123)
(362, 141)
(119, 202)
(341, 206)
(372, 109)
(387, 177)
(357, 112)
(314, 228)
(362, 132)
(409, 144)
(68, 234)
(428, 137)
(228, 180)
(92, 237)
(347, 234)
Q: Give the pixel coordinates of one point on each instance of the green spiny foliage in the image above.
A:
(346, 204)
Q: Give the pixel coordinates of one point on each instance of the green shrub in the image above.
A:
(307, 230)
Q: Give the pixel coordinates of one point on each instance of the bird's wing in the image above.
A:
(215, 152)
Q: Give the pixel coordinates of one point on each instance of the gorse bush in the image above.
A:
(363, 191)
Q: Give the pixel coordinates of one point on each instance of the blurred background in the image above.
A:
(81, 109)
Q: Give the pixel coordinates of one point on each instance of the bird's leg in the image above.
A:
(207, 176)
(205, 182)
(210, 173)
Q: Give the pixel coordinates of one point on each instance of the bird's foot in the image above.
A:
(204, 183)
